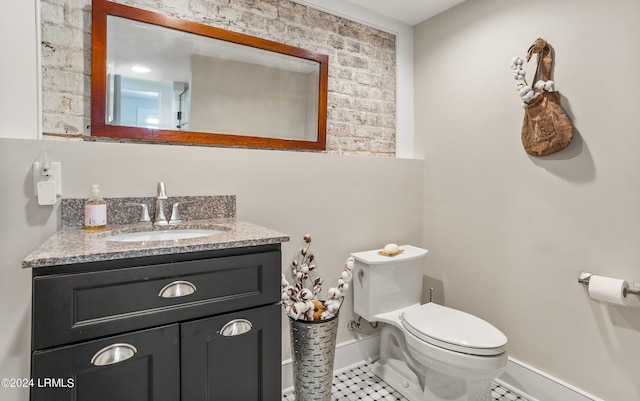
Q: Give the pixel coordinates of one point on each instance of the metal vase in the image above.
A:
(313, 345)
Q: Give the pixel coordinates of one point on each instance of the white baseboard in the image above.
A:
(536, 385)
(348, 354)
(528, 381)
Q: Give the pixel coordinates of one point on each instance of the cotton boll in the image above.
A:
(347, 276)
(333, 293)
(309, 306)
(524, 90)
(326, 315)
(516, 61)
(548, 86)
(332, 306)
(350, 263)
(297, 310)
(540, 84)
(524, 104)
(529, 96)
(300, 307)
(306, 294)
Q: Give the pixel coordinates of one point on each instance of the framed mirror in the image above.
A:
(161, 78)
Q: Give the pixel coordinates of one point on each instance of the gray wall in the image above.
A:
(347, 203)
(509, 233)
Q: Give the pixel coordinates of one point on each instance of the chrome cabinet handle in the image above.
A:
(113, 353)
(177, 289)
(236, 327)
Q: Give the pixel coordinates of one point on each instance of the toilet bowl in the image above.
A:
(427, 352)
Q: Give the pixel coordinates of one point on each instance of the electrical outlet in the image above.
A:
(55, 171)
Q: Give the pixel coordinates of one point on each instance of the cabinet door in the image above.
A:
(140, 366)
(237, 363)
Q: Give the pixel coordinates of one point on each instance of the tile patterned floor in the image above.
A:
(360, 383)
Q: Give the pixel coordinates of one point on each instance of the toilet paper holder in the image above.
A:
(585, 277)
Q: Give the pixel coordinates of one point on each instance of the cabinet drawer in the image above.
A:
(74, 307)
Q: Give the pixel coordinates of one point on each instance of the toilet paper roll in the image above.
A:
(608, 289)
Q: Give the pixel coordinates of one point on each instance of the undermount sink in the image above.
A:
(165, 235)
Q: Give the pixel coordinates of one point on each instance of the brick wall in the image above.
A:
(361, 115)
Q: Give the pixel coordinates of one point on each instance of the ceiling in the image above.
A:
(410, 12)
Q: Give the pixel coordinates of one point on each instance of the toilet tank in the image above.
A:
(383, 284)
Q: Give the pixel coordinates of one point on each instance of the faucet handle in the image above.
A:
(175, 212)
(144, 214)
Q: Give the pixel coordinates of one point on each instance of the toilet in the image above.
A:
(427, 352)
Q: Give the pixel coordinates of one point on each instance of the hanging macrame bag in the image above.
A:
(546, 128)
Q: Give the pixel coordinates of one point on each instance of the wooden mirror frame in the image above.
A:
(103, 8)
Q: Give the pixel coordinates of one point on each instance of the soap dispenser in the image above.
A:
(95, 210)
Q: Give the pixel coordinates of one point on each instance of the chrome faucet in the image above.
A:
(161, 219)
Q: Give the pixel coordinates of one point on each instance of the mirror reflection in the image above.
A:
(161, 80)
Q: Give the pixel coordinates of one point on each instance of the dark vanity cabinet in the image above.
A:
(192, 327)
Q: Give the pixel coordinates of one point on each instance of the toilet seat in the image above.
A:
(453, 330)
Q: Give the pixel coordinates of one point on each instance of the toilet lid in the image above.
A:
(454, 330)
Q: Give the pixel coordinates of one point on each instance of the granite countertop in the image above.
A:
(76, 245)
